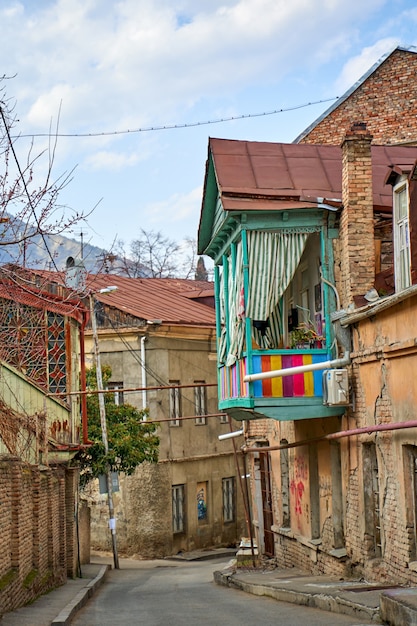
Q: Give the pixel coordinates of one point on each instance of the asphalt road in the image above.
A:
(176, 593)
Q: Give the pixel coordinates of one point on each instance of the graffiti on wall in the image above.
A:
(201, 501)
(297, 484)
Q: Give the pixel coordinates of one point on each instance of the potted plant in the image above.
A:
(305, 336)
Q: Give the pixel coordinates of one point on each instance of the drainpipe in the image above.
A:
(365, 430)
(83, 379)
(300, 369)
(143, 368)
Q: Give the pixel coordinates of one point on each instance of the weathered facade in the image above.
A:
(39, 435)
(159, 339)
(326, 497)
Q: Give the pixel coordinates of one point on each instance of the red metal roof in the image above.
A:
(40, 300)
(193, 289)
(168, 300)
(269, 176)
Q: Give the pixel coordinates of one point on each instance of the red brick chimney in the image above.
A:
(357, 220)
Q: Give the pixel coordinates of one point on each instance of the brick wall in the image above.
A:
(386, 101)
(37, 530)
(357, 220)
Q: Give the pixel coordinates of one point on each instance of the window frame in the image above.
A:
(117, 388)
(174, 404)
(178, 508)
(229, 499)
(401, 225)
(200, 402)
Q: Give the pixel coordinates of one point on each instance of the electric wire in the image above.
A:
(146, 129)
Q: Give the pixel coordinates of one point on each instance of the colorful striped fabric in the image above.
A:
(308, 384)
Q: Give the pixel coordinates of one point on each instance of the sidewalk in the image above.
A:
(396, 606)
(58, 606)
(367, 603)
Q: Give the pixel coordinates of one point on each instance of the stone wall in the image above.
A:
(37, 530)
(143, 509)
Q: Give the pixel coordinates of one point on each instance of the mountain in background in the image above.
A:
(51, 253)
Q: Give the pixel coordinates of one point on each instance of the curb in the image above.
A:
(396, 607)
(64, 617)
(323, 601)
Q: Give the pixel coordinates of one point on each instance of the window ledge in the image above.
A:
(287, 532)
(313, 544)
(338, 553)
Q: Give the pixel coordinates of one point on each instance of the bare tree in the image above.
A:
(154, 256)
(150, 256)
(29, 205)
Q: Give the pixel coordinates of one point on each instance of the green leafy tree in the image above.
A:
(131, 440)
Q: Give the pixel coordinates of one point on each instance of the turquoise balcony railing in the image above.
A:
(293, 397)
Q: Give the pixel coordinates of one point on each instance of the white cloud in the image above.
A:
(356, 67)
(178, 208)
(137, 62)
(130, 64)
(111, 161)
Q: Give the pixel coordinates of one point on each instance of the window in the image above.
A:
(401, 238)
(371, 500)
(285, 485)
(200, 402)
(410, 476)
(228, 499)
(174, 404)
(224, 419)
(56, 353)
(178, 508)
(118, 392)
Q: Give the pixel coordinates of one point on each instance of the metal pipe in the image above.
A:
(236, 433)
(103, 423)
(300, 369)
(126, 389)
(365, 430)
(142, 358)
(83, 380)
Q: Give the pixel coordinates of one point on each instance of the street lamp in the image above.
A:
(103, 422)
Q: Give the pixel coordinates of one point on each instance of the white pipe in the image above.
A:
(300, 369)
(236, 433)
(143, 368)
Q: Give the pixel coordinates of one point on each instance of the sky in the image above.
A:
(133, 89)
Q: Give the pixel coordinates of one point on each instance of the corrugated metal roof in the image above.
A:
(168, 300)
(271, 176)
(40, 300)
(193, 289)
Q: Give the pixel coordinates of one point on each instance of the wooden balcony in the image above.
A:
(286, 398)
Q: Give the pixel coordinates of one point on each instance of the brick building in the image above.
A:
(39, 435)
(333, 489)
(385, 98)
(291, 230)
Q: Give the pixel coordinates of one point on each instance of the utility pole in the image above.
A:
(103, 422)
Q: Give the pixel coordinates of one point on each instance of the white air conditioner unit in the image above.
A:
(335, 387)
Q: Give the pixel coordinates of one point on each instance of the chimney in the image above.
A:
(357, 219)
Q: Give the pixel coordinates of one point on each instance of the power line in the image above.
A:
(147, 129)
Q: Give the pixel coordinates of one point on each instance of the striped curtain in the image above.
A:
(222, 340)
(236, 310)
(273, 258)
